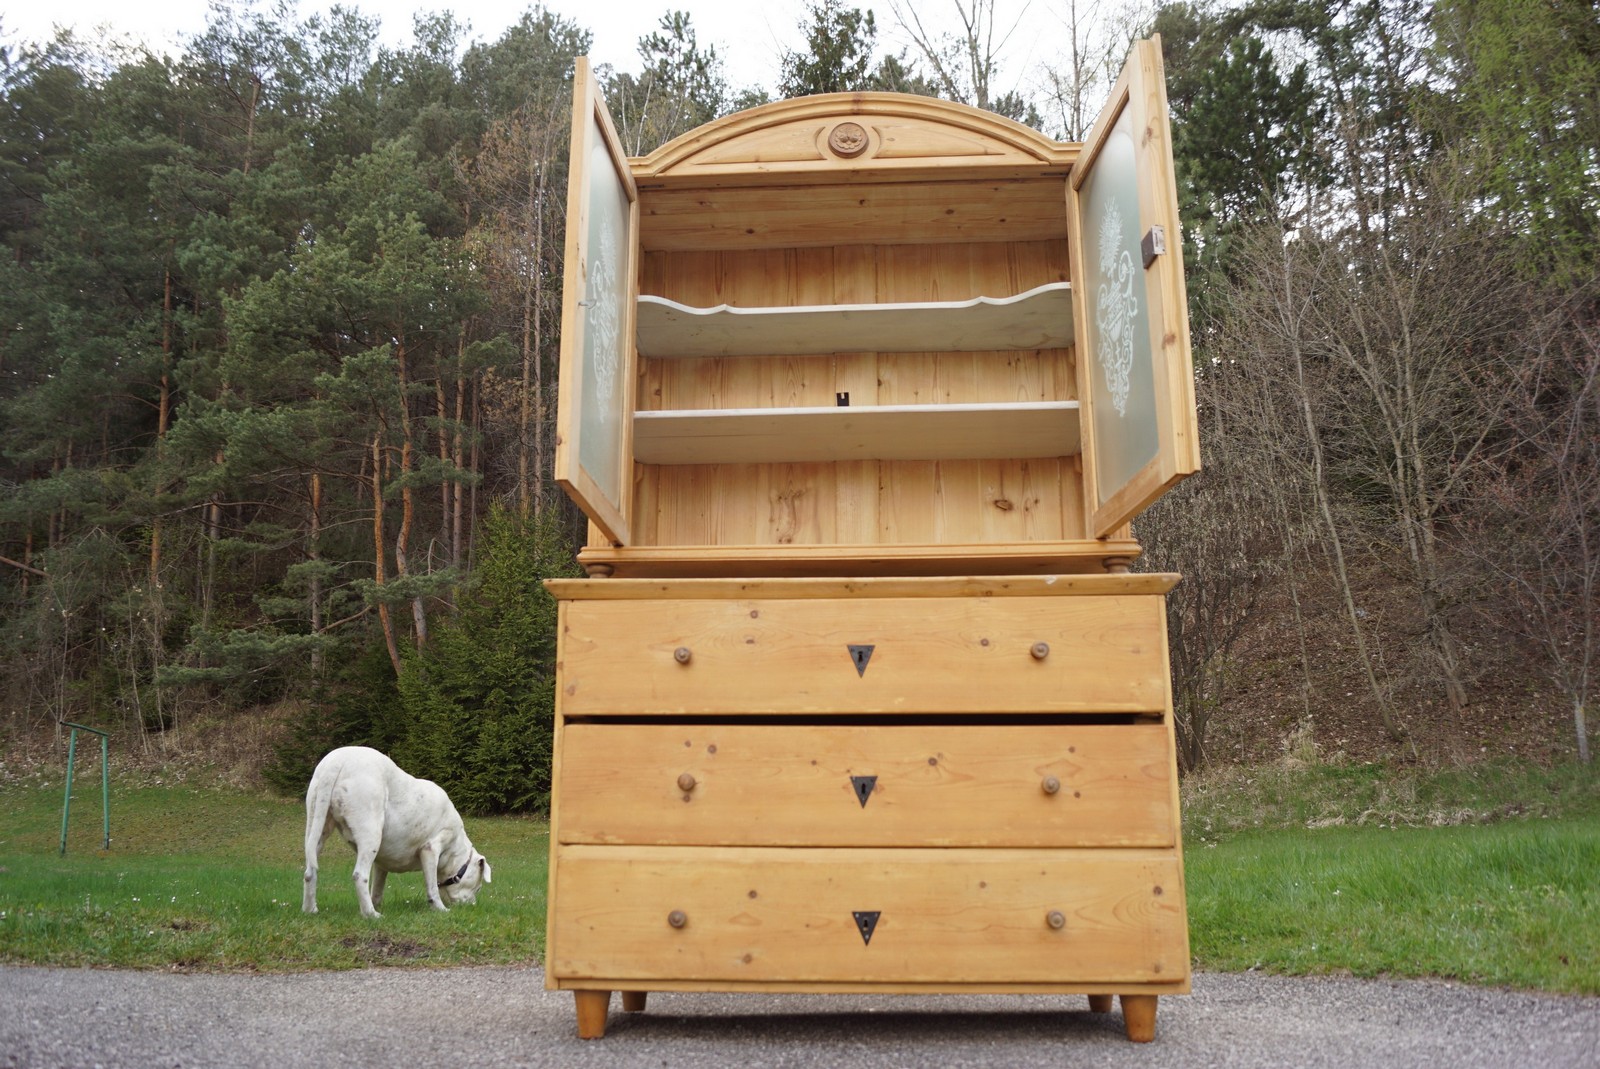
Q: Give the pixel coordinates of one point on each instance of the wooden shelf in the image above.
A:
(1041, 318)
(1020, 430)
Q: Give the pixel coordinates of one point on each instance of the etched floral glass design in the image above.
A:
(1117, 342)
(1116, 308)
(606, 291)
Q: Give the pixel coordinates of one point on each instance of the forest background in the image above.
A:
(280, 321)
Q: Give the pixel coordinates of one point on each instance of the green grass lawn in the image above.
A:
(210, 879)
(1489, 877)
(1487, 873)
(1513, 903)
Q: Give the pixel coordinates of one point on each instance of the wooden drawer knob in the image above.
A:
(686, 782)
(682, 654)
(1049, 785)
(677, 918)
(1040, 650)
(1056, 919)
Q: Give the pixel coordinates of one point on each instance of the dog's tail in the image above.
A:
(317, 801)
(318, 798)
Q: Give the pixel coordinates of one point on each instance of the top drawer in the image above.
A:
(921, 655)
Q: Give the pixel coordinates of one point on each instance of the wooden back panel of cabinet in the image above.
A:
(857, 502)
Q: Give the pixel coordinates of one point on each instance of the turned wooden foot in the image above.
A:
(1139, 1017)
(633, 1001)
(592, 1007)
(1099, 1003)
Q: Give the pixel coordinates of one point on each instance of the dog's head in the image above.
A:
(463, 885)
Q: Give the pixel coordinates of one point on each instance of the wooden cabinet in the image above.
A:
(861, 394)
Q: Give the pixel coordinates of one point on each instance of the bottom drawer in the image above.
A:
(868, 916)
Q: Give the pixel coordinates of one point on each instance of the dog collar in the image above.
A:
(462, 871)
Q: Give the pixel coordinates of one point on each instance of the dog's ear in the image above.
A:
(483, 867)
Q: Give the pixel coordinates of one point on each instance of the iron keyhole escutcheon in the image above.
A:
(863, 786)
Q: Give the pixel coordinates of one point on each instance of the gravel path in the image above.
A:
(481, 1018)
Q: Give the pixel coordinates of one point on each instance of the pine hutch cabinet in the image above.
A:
(860, 393)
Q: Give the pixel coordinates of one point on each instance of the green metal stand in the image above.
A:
(105, 780)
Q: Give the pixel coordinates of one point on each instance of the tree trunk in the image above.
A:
(163, 406)
(407, 501)
(456, 458)
(1580, 722)
(477, 433)
(530, 303)
(314, 553)
(401, 564)
(27, 560)
(378, 550)
(250, 123)
(539, 465)
(58, 517)
(208, 583)
(442, 412)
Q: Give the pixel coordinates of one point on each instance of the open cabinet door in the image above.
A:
(594, 416)
(1135, 378)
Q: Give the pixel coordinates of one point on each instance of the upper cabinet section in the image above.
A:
(807, 332)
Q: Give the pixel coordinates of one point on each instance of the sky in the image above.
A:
(751, 35)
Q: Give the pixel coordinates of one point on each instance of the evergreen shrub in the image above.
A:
(479, 699)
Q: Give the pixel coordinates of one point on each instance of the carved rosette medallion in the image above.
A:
(847, 140)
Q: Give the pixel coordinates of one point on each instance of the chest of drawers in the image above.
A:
(870, 785)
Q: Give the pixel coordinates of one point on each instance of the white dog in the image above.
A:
(395, 822)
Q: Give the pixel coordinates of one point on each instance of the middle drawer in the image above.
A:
(837, 785)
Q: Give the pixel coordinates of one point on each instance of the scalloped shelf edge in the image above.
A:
(1040, 318)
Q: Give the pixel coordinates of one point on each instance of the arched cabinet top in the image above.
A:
(834, 135)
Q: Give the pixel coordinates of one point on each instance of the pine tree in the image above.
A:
(839, 42)
(681, 86)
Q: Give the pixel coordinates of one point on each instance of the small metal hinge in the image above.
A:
(1153, 245)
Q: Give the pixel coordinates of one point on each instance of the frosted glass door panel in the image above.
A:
(1118, 327)
(608, 294)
